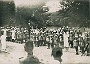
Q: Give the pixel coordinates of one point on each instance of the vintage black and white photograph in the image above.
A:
(44, 32)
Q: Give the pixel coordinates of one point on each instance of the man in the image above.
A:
(82, 45)
(30, 59)
(13, 36)
(70, 39)
(76, 44)
(29, 47)
(87, 46)
(48, 41)
(57, 53)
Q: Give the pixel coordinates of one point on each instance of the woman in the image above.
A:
(66, 44)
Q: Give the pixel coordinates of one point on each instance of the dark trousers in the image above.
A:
(82, 49)
(71, 43)
(13, 40)
(76, 48)
(86, 50)
(49, 44)
(38, 43)
(41, 42)
(52, 45)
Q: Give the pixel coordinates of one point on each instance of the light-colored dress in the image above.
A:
(66, 44)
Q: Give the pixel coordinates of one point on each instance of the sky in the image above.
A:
(53, 5)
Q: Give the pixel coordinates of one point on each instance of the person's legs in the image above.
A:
(71, 44)
(48, 45)
(35, 43)
(38, 43)
(76, 47)
(87, 51)
(82, 50)
(52, 45)
(41, 42)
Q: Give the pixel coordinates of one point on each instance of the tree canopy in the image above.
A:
(73, 13)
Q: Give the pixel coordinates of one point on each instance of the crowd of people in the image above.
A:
(65, 37)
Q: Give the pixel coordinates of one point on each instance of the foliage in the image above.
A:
(35, 15)
(76, 12)
(73, 13)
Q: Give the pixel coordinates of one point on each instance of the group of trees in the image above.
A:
(73, 13)
(35, 15)
(76, 12)
(7, 13)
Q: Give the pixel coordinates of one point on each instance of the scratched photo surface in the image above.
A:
(44, 31)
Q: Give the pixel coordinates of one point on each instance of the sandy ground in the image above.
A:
(16, 51)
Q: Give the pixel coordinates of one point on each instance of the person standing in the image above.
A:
(76, 44)
(36, 40)
(66, 44)
(82, 45)
(52, 45)
(3, 41)
(48, 41)
(71, 40)
(13, 36)
(87, 46)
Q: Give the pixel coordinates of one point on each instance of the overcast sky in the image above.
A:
(53, 5)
